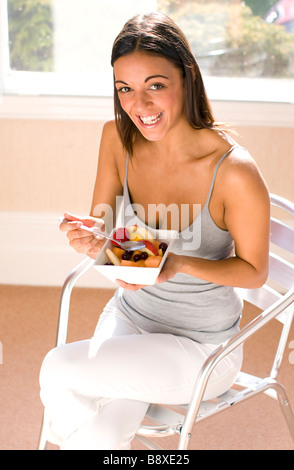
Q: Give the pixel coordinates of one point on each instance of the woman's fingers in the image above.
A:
(128, 286)
(81, 240)
(69, 220)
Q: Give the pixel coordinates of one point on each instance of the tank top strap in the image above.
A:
(215, 172)
(126, 171)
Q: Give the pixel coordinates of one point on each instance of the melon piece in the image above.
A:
(153, 261)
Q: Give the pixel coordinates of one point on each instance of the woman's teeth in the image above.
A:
(151, 119)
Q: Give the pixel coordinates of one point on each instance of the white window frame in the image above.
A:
(61, 96)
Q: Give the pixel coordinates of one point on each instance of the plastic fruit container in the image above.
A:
(132, 274)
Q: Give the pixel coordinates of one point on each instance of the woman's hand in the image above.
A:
(171, 267)
(81, 240)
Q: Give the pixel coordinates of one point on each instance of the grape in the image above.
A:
(137, 257)
(108, 263)
(163, 246)
(126, 255)
(144, 255)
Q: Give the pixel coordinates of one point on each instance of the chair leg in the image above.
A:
(285, 406)
(42, 438)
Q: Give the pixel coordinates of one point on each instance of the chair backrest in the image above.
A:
(281, 272)
(281, 261)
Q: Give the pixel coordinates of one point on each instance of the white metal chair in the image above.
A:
(275, 299)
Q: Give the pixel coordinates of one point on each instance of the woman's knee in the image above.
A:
(113, 428)
(54, 369)
(49, 375)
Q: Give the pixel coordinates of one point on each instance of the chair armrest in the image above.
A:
(283, 203)
(68, 285)
(223, 350)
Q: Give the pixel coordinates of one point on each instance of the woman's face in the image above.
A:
(151, 91)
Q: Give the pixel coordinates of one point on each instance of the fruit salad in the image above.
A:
(148, 257)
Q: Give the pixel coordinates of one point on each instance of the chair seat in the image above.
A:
(168, 420)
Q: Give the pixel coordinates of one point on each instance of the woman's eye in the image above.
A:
(156, 86)
(124, 89)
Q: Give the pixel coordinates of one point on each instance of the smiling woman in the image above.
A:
(151, 105)
(164, 149)
(151, 119)
(152, 87)
(171, 64)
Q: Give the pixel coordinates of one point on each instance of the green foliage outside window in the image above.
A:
(30, 35)
(229, 40)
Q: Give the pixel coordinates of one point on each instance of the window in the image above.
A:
(245, 49)
(62, 47)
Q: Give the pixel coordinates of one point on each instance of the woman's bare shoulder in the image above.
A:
(111, 142)
(240, 172)
(110, 133)
(112, 155)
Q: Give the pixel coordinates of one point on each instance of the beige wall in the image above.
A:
(50, 165)
(273, 150)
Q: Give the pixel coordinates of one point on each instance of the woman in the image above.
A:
(150, 342)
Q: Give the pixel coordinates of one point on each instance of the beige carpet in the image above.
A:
(28, 319)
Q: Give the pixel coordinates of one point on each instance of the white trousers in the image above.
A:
(96, 392)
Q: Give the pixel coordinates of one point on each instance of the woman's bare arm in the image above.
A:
(247, 217)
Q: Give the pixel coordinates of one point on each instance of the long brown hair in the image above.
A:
(158, 34)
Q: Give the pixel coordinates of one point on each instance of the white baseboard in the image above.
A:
(33, 251)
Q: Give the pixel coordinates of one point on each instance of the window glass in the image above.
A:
(31, 35)
(69, 41)
(64, 46)
(251, 38)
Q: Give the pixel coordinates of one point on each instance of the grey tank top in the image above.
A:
(186, 305)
